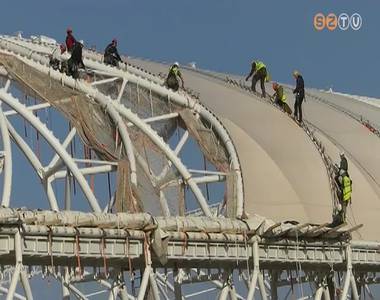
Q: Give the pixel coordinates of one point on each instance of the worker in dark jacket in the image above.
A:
(343, 162)
(299, 92)
(259, 72)
(76, 60)
(111, 55)
(174, 75)
(70, 40)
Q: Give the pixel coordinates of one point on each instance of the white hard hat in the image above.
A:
(81, 42)
(341, 153)
(176, 64)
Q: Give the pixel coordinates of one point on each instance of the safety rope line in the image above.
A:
(77, 252)
(50, 246)
(189, 94)
(317, 143)
(103, 254)
(185, 241)
(356, 117)
(299, 266)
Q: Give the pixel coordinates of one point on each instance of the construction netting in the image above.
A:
(158, 180)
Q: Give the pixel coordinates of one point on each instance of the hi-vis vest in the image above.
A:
(174, 70)
(281, 94)
(259, 65)
(347, 188)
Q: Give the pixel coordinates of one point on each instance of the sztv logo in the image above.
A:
(332, 21)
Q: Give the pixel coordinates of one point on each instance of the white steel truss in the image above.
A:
(166, 252)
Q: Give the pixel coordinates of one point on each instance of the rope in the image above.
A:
(185, 243)
(130, 266)
(50, 247)
(299, 266)
(246, 251)
(109, 190)
(325, 158)
(77, 252)
(102, 251)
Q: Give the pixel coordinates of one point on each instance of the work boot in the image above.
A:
(263, 95)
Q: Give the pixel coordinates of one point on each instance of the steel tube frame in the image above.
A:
(154, 84)
(19, 272)
(31, 108)
(36, 164)
(4, 290)
(188, 102)
(349, 278)
(128, 114)
(65, 144)
(153, 285)
(54, 143)
(7, 181)
(144, 283)
(87, 171)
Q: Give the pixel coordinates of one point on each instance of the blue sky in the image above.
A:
(222, 35)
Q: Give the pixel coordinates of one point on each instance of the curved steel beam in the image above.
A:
(186, 102)
(36, 164)
(54, 143)
(38, 63)
(105, 104)
(7, 160)
(150, 81)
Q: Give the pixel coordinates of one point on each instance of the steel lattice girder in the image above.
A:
(42, 245)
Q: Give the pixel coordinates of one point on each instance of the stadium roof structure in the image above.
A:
(285, 174)
(209, 182)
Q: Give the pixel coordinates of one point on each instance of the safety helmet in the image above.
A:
(69, 30)
(341, 153)
(274, 85)
(176, 64)
(296, 73)
(81, 42)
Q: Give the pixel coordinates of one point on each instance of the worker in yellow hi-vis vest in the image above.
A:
(279, 96)
(259, 72)
(345, 190)
(174, 75)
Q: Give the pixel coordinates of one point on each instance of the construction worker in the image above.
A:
(76, 60)
(279, 96)
(299, 92)
(70, 40)
(174, 74)
(343, 162)
(259, 72)
(111, 55)
(55, 57)
(345, 189)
